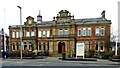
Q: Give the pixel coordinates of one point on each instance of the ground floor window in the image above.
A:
(44, 48)
(25, 45)
(96, 45)
(48, 46)
(102, 46)
(30, 46)
(13, 46)
(89, 44)
(39, 46)
(17, 46)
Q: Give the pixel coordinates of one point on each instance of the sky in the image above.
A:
(10, 13)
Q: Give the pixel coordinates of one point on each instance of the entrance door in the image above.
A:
(61, 47)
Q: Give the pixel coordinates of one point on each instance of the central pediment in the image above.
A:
(30, 21)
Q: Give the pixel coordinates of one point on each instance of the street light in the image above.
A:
(20, 31)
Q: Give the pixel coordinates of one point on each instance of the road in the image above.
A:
(54, 61)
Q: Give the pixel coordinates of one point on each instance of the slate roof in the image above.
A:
(77, 21)
(89, 20)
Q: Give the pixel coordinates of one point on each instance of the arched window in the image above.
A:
(96, 45)
(39, 46)
(17, 46)
(13, 46)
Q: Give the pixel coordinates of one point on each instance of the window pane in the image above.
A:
(89, 31)
(39, 34)
(48, 33)
(28, 34)
(102, 31)
(79, 32)
(97, 31)
(13, 34)
(96, 45)
(60, 21)
(44, 33)
(17, 46)
(102, 46)
(16, 34)
(44, 48)
(39, 46)
(32, 33)
(30, 46)
(65, 32)
(89, 45)
(25, 45)
(13, 47)
(84, 31)
(60, 32)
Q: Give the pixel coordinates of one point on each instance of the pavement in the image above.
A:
(55, 61)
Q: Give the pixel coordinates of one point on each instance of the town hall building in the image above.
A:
(61, 34)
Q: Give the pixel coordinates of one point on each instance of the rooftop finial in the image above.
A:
(39, 13)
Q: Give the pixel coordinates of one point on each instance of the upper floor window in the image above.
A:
(17, 34)
(39, 34)
(97, 31)
(48, 33)
(102, 31)
(33, 33)
(44, 33)
(89, 31)
(65, 20)
(84, 31)
(60, 32)
(65, 32)
(79, 32)
(27, 34)
(13, 34)
(60, 21)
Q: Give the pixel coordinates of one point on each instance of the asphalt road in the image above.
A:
(52, 61)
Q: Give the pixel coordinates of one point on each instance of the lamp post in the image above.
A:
(116, 46)
(20, 31)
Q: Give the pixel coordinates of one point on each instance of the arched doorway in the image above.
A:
(61, 47)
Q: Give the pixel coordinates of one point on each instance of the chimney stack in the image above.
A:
(103, 14)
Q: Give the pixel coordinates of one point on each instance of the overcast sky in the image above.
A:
(50, 8)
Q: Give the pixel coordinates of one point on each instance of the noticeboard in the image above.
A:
(80, 49)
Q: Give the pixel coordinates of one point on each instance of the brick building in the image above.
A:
(4, 41)
(61, 34)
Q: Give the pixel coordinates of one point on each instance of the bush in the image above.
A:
(90, 53)
(108, 55)
(100, 55)
(17, 54)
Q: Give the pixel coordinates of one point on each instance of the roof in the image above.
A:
(77, 21)
(89, 20)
